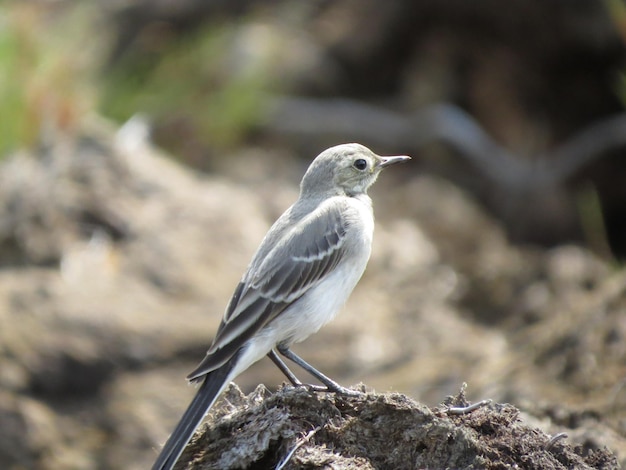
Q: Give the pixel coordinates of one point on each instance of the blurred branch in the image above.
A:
(451, 125)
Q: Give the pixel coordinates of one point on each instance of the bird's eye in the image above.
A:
(360, 164)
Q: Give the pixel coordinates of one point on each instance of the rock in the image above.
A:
(294, 428)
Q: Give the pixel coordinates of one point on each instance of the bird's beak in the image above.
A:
(388, 161)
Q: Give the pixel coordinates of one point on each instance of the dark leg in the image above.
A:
(290, 375)
(284, 369)
(331, 385)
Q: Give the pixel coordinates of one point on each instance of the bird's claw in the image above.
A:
(329, 389)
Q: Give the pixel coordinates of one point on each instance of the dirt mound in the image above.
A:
(293, 428)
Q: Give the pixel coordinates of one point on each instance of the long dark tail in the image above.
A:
(198, 408)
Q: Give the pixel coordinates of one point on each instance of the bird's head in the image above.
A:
(345, 169)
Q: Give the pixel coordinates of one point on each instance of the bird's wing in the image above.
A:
(299, 260)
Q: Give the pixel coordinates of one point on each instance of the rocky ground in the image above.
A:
(297, 429)
(118, 263)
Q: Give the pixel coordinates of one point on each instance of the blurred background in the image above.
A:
(146, 147)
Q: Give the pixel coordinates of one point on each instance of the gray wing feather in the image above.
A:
(299, 260)
(304, 257)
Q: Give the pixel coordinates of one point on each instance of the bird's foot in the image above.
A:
(343, 391)
(334, 388)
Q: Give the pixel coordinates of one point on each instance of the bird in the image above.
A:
(301, 275)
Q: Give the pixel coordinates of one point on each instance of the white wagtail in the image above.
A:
(301, 275)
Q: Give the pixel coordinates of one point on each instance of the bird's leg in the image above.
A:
(284, 369)
(290, 375)
(331, 385)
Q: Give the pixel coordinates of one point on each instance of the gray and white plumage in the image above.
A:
(301, 275)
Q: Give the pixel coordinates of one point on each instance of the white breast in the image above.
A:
(321, 303)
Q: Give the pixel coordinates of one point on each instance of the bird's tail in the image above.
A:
(211, 387)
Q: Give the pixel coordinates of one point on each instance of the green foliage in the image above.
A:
(617, 12)
(44, 84)
(205, 84)
(196, 81)
(592, 219)
(13, 112)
